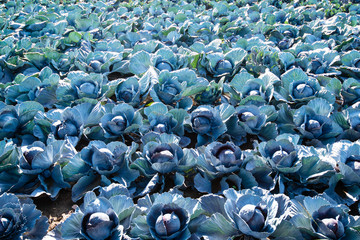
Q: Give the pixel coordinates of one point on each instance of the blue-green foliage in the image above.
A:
(101, 217)
(20, 219)
(206, 119)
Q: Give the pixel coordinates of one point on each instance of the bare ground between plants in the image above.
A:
(56, 211)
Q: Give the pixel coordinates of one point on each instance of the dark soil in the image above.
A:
(56, 211)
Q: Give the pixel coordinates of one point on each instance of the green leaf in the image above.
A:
(75, 36)
(148, 79)
(269, 131)
(352, 233)
(332, 84)
(193, 90)
(321, 106)
(218, 227)
(295, 74)
(157, 107)
(167, 31)
(226, 111)
(340, 119)
(72, 226)
(85, 183)
(140, 62)
(38, 59)
(179, 115)
(357, 228)
(349, 58)
(195, 61)
(180, 17)
(27, 111)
